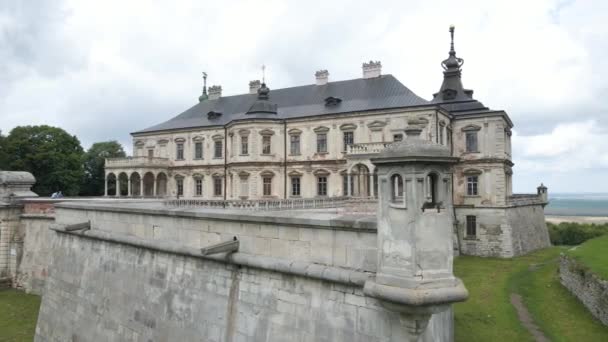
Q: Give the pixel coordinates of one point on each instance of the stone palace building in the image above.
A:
(318, 140)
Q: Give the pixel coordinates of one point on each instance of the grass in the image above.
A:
(18, 316)
(489, 316)
(592, 254)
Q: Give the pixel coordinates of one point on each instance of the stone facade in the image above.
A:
(590, 289)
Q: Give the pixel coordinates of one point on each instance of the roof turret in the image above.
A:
(263, 105)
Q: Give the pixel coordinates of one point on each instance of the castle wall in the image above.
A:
(9, 222)
(112, 283)
(529, 228)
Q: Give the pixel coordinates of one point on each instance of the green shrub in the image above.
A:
(569, 233)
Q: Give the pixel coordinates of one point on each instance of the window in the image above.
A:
(180, 186)
(267, 186)
(150, 153)
(217, 186)
(180, 151)
(295, 186)
(349, 138)
(218, 149)
(321, 142)
(198, 150)
(397, 137)
(396, 189)
(198, 186)
(441, 129)
(266, 139)
(295, 145)
(345, 185)
(322, 186)
(472, 188)
(471, 225)
(471, 141)
(244, 186)
(244, 144)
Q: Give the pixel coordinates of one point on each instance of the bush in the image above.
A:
(569, 233)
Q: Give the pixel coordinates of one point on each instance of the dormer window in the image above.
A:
(213, 115)
(449, 94)
(332, 101)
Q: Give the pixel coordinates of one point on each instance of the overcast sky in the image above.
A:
(103, 69)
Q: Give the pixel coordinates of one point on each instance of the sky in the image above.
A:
(103, 69)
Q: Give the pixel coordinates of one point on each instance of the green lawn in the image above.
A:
(592, 254)
(489, 316)
(18, 316)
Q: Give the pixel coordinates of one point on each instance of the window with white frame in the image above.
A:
(294, 144)
(266, 143)
(198, 186)
(244, 144)
(244, 182)
(217, 186)
(471, 222)
(321, 142)
(179, 154)
(198, 150)
(472, 185)
(267, 185)
(179, 183)
(217, 149)
(348, 139)
(322, 186)
(150, 153)
(295, 186)
(471, 141)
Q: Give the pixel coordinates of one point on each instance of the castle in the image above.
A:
(317, 141)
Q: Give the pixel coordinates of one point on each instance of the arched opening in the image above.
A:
(135, 184)
(149, 184)
(123, 184)
(111, 184)
(397, 193)
(161, 184)
(432, 194)
(360, 181)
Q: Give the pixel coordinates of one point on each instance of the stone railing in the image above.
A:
(525, 199)
(137, 162)
(367, 148)
(270, 204)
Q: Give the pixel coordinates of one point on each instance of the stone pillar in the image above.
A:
(118, 185)
(370, 185)
(129, 187)
(141, 186)
(105, 186)
(154, 194)
(349, 188)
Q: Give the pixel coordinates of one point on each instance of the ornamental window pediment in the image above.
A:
(321, 129)
(217, 137)
(198, 176)
(198, 138)
(139, 143)
(266, 131)
(162, 141)
(294, 131)
(469, 128)
(179, 139)
(243, 174)
(472, 172)
(321, 172)
(267, 173)
(418, 121)
(244, 132)
(348, 127)
(295, 173)
(376, 125)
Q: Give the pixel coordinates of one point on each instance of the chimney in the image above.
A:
(254, 86)
(215, 92)
(372, 69)
(322, 77)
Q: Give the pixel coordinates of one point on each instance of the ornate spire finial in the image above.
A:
(263, 74)
(452, 52)
(204, 96)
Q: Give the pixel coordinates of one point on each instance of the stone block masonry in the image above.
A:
(590, 289)
(115, 287)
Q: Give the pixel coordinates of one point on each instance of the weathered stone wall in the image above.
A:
(109, 291)
(503, 232)
(9, 221)
(591, 290)
(32, 270)
(529, 228)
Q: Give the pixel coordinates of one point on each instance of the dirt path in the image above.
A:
(526, 319)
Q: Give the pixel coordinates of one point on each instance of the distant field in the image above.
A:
(18, 316)
(489, 316)
(578, 205)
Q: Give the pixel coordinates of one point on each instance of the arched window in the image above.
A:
(396, 189)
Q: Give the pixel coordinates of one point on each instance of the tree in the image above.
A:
(94, 161)
(3, 156)
(52, 155)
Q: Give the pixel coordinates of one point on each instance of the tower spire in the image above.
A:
(452, 51)
(204, 95)
(263, 74)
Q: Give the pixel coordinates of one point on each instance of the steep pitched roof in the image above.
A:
(357, 95)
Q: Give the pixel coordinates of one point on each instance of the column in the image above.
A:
(141, 186)
(118, 185)
(370, 185)
(154, 186)
(105, 186)
(129, 187)
(349, 191)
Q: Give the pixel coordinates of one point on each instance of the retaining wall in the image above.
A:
(590, 289)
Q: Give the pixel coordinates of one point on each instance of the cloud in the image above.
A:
(104, 69)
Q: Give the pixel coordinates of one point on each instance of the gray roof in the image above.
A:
(360, 94)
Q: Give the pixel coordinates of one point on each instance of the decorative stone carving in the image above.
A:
(321, 129)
